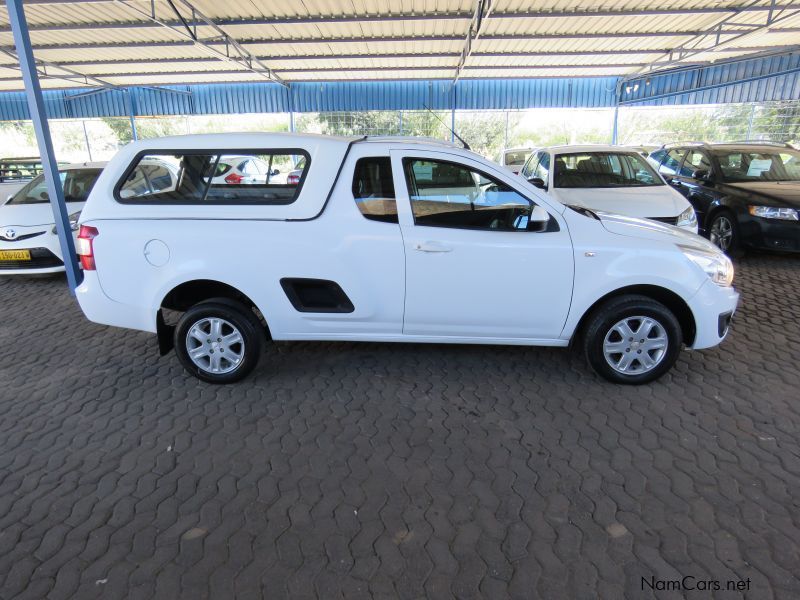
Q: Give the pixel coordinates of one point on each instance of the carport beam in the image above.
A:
(33, 92)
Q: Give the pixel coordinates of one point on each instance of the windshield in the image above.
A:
(603, 170)
(516, 158)
(76, 183)
(779, 164)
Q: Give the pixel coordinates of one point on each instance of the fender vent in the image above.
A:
(316, 295)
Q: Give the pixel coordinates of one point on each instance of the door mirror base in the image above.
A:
(538, 182)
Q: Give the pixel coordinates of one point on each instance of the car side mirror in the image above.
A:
(701, 174)
(538, 182)
(539, 219)
(275, 172)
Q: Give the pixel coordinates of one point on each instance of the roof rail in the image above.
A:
(759, 143)
(686, 143)
(411, 138)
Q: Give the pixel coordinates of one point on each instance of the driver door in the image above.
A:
(476, 267)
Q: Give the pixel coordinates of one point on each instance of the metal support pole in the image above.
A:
(33, 91)
(750, 121)
(132, 114)
(86, 137)
(505, 136)
(291, 121)
(615, 129)
(400, 121)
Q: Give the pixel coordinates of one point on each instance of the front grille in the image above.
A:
(41, 258)
(667, 220)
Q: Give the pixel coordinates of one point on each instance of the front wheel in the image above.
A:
(723, 232)
(632, 339)
(219, 341)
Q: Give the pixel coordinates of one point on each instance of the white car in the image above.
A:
(611, 179)
(387, 241)
(28, 241)
(514, 158)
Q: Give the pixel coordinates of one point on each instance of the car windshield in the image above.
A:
(741, 165)
(516, 158)
(76, 183)
(603, 170)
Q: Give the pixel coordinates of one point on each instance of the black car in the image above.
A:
(746, 195)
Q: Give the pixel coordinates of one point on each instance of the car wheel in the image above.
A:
(632, 339)
(723, 232)
(219, 341)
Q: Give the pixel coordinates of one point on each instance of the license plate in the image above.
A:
(15, 254)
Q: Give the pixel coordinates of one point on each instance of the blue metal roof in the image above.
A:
(753, 80)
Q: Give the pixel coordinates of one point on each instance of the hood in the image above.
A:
(653, 230)
(779, 193)
(643, 202)
(27, 215)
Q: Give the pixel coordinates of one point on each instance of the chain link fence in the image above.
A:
(487, 132)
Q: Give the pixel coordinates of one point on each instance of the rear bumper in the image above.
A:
(99, 308)
(713, 308)
(769, 234)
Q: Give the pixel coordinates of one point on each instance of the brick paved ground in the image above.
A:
(395, 471)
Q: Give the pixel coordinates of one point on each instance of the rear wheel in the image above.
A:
(219, 341)
(632, 339)
(723, 232)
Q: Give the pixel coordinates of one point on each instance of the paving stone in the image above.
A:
(395, 471)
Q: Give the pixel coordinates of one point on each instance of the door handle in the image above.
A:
(675, 182)
(432, 247)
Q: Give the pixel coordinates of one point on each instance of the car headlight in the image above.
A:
(73, 222)
(715, 264)
(773, 212)
(687, 218)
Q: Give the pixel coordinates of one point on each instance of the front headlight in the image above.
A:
(687, 219)
(773, 212)
(715, 264)
(73, 222)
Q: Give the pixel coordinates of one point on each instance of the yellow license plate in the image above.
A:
(15, 254)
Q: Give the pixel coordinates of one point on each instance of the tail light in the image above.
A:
(293, 179)
(85, 247)
(234, 178)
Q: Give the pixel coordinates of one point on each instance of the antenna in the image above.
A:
(455, 135)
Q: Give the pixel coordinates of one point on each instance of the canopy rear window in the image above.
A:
(213, 177)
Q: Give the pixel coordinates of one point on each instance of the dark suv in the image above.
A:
(745, 194)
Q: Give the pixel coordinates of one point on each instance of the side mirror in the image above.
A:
(538, 182)
(701, 174)
(539, 219)
(275, 172)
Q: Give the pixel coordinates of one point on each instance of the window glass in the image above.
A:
(209, 178)
(759, 165)
(658, 156)
(672, 162)
(695, 160)
(445, 194)
(530, 165)
(603, 170)
(516, 158)
(373, 189)
(542, 170)
(76, 183)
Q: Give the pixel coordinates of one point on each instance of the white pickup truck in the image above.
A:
(382, 239)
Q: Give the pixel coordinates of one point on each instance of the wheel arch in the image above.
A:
(667, 297)
(188, 293)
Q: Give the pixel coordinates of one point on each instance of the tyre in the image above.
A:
(219, 340)
(723, 232)
(632, 339)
